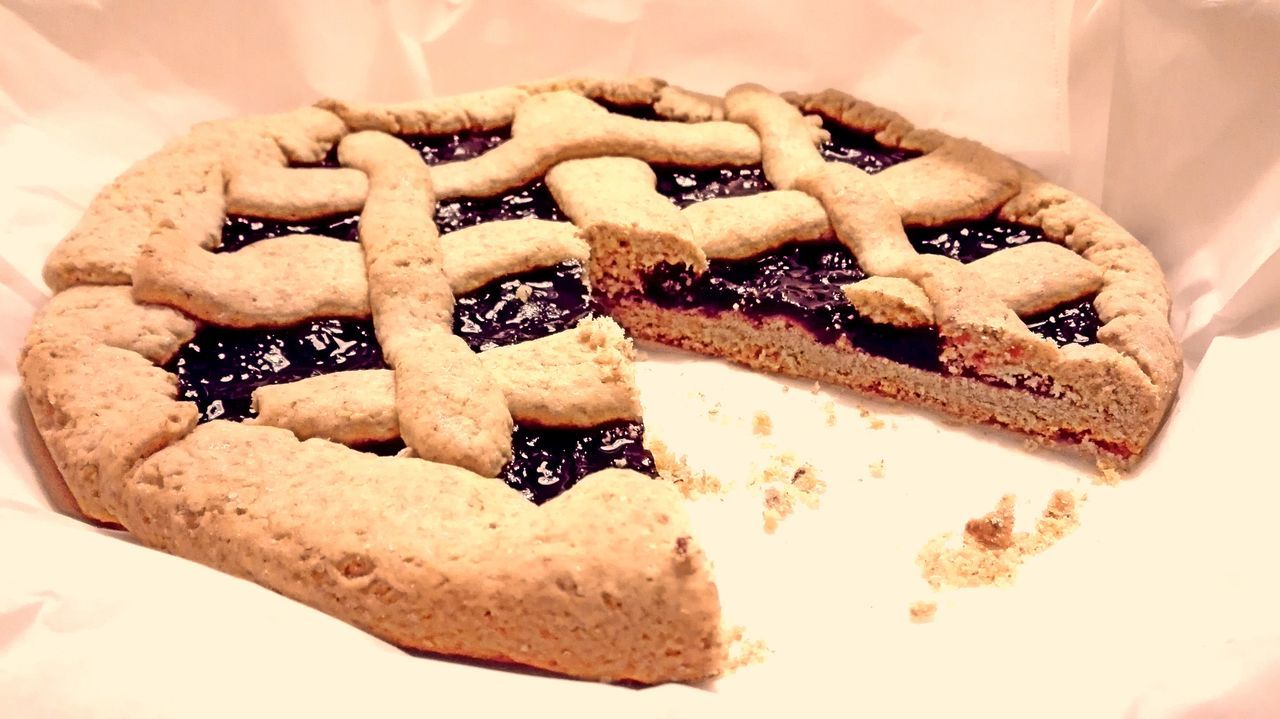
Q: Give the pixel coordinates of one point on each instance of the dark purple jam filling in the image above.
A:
(465, 145)
(220, 367)
(546, 461)
(686, 185)
(493, 315)
(972, 240)
(640, 112)
(531, 200)
(238, 230)
(1072, 322)
(860, 149)
(800, 282)
(436, 149)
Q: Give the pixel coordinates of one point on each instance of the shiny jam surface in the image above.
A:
(860, 149)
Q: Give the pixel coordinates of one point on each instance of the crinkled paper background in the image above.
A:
(1161, 605)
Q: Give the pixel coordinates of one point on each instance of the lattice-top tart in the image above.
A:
(373, 356)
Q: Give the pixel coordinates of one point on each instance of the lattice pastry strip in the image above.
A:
(449, 408)
(582, 377)
(284, 280)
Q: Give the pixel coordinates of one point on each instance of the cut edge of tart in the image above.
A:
(430, 549)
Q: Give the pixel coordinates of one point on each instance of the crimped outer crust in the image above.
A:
(101, 410)
(603, 582)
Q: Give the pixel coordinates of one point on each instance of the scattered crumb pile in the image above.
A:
(673, 468)
(762, 423)
(991, 551)
(785, 482)
(1109, 476)
(740, 650)
(923, 611)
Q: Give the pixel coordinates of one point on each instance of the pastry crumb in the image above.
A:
(673, 468)
(993, 530)
(923, 611)
(991, 552)
(876, 423)
(787, 482)
(524, 292)
(877, 469)
(816, 388)
(741, 650)
(830, 409)
(1108, 476)
(762, 423)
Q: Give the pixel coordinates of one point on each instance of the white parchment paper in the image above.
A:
(1160, 605)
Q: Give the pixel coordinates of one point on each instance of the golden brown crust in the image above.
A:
(107, 314)
(180, 184)
(739, 227)
(280, 193)
(786, 146)
(480, 254)
(450, 410)
(538, 143)
(961, 180)
(628, 225)
(101, 410)
(1133, 303)
(891, 301)
(272, 283)
(616, 594)
(628, 91)
(485, 110)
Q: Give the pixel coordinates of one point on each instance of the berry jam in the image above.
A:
(494, 315)
(220, 367)
(238, 230)
(640, 112)
(464, 145)
(860, 149)
(531, 200)
(686, 185)
(546, 461)
(971, 241)
(800, 282)
(436, 149)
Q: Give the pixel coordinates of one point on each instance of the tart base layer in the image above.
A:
(782, 346)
